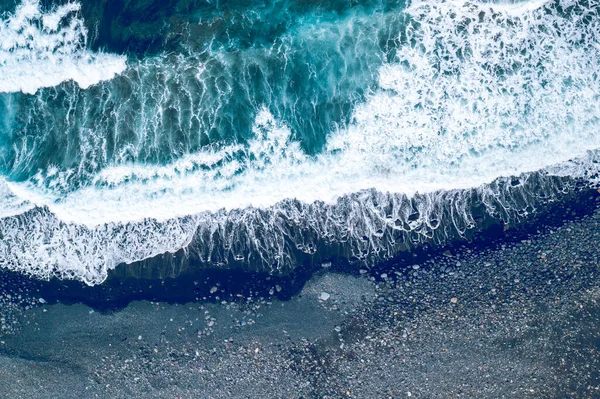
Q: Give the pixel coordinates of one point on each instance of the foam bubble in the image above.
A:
(43, 49)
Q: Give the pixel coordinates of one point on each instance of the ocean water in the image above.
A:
(261, 135)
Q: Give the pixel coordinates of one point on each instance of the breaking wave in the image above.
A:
(43, 49)
(411, 123)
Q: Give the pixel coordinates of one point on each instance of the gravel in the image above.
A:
(512, 319)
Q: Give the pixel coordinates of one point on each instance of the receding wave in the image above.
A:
(217, 152)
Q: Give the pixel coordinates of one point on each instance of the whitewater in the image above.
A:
(472, 95)
(44, 49)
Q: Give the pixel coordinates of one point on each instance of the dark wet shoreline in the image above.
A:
(195, 283)
(516, 315)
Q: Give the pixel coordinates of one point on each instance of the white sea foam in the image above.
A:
(507, 93)
(11, 203)
(510, 7)
(521, 99)
(43, 49)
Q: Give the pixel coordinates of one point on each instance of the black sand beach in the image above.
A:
(299, 199)
(512, 317)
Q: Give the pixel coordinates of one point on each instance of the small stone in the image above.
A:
(139, 337)
(384, 276)
(326, 265)
(213, 290)
(454, 300)
(448, 253)
(323, 296)
(42, 300)
(278, 288)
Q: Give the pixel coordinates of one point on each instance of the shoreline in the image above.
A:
(196, 284)
(515, 316)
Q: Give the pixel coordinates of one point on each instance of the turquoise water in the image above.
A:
(198, 75)
(133, 129)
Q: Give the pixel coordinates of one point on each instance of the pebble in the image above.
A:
(323, 296)
(42, 300)
(454, 300)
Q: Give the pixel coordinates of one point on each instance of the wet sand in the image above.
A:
(512, 318)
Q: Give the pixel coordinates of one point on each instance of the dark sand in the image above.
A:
(511, 319)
